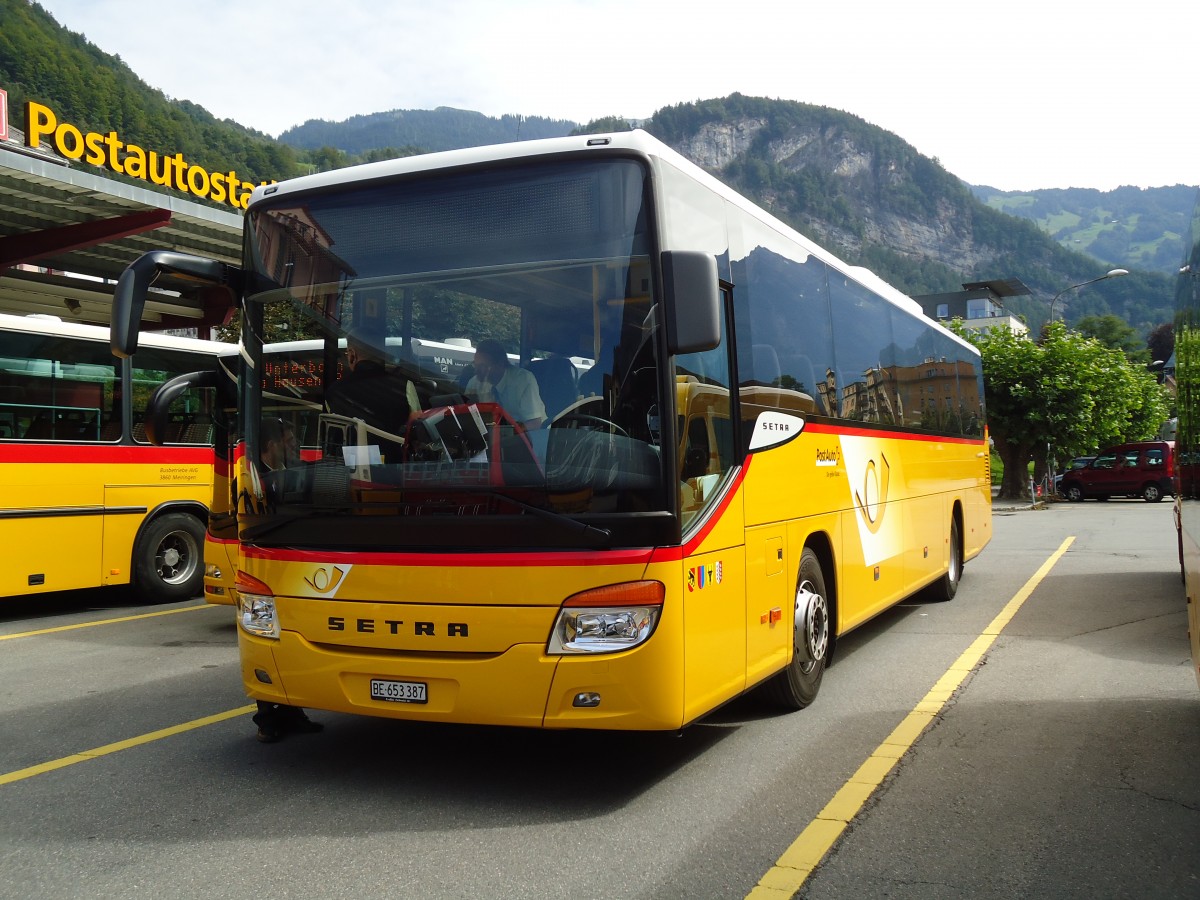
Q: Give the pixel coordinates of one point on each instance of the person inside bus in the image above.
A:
(369, 391)
(278, 441)
(496, 380)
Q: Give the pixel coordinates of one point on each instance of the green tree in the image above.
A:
(1113, 331)
(604, 126)
(1161, 342)
(1067, 392)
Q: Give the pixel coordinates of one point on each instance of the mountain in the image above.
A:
(861, 191)
(1130, 227)
(872, 198)
(855, 188)
(443, 128)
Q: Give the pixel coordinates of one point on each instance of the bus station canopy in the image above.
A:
(66, 234)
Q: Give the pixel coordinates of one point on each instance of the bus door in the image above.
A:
(714, 563)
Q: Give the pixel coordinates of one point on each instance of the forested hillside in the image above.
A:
(870, 196)
(40, 60)
(443, 128)
(1130, 227)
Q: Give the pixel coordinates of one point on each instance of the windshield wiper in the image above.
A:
(551, 516)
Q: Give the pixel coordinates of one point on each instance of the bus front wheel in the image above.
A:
(168, 563)
(797, 685)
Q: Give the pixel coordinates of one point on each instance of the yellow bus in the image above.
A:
(85, 498)
(740, 447)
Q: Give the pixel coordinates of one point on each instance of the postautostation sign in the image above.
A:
(108, 150)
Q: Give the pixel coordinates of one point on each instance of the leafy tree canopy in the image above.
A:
(1069, 393)
(1114, 332)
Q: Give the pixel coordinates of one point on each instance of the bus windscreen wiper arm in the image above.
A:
(550, 515)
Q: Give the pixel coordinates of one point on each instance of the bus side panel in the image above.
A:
(977, 509)
(50, 528)
(769, 601)
(711, 588)
(893, 499)
(120, 531)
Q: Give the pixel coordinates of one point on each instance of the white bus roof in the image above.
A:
(50, 325)
(636, 142)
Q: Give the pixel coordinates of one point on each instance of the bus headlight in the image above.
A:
(608, 619)
(256, 607)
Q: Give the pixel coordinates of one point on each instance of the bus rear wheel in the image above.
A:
(797, 685)
(947, 586)
(168, 561)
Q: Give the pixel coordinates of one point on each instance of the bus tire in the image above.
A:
(947, 586)
(796, 686)
(168, 559)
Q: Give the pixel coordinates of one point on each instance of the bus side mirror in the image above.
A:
(164, 395)
(129, 298)
(692, 301)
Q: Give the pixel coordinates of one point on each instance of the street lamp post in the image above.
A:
(1111, 273)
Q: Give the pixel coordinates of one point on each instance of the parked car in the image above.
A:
(1143, 469)
(1077, 463)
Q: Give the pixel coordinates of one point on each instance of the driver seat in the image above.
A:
(555, 376)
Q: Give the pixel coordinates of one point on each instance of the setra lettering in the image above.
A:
(420, 629)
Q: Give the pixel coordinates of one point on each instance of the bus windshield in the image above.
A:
(487, 346)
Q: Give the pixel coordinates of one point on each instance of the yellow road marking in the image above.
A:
(799, 860)
(85, 755)
(165, 612)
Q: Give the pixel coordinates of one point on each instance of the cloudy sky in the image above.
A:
(1021, 94)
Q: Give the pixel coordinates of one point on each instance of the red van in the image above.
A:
(1143, 469)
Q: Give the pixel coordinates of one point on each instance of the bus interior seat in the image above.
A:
(197, 433)
(41, 428)
(110, 430)
(555, 376)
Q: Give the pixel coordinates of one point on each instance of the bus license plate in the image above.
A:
(398, 691)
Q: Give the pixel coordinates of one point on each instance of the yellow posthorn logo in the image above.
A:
(324, 581)
(873, 499)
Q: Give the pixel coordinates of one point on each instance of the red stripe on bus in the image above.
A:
(710, 521)
(855, 431)
(464, 560)
(103, 454)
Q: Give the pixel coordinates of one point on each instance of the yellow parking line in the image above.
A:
(21, 774)
(164, 612)
(799, 860)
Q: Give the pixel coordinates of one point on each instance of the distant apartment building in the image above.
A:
(979, 304)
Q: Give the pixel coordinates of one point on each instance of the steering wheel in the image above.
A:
(585, 420)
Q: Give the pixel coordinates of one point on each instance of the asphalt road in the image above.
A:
(1063, 764)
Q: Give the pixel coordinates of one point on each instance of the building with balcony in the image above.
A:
(979, 304)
